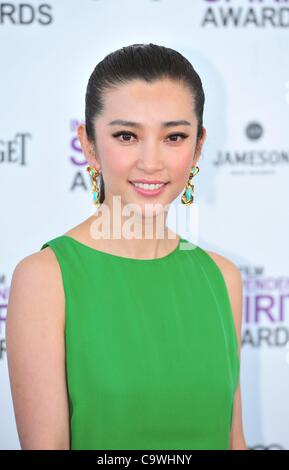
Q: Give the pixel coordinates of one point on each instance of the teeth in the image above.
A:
(148, 186)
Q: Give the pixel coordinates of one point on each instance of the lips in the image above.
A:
(149, 192)
(149, 182)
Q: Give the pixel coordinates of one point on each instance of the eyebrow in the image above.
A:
(180, 122)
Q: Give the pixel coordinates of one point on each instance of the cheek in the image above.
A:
(115, 166)
(180, 168)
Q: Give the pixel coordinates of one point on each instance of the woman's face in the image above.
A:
(146, 148)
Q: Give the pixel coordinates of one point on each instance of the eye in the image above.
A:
(116, 134)
(183, 136)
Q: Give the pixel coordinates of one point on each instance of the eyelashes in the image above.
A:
(179, 134)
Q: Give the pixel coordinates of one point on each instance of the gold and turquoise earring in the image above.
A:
(94, 173)
(187, 197)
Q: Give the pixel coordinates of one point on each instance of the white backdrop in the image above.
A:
(240, 49)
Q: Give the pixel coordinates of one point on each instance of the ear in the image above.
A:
(87, 146)
(199, 146)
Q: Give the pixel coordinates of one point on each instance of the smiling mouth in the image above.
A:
(146, 188)
(148, 184)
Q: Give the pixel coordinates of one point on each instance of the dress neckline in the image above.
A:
(90, 248)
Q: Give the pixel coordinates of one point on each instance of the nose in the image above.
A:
(150, 159)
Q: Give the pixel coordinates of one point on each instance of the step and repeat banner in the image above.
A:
(241, 51)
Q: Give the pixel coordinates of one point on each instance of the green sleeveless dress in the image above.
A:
(151, 349)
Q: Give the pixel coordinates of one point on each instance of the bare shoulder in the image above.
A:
(227, 266)
(229, 269)
(233, 279)
(38, 275)
(42, 259)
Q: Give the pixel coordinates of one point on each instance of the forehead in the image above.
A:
(163, 95)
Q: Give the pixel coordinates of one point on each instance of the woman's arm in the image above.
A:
(234, 283)
(36, 352)
(233, 279)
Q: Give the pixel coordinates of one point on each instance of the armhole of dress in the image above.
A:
(62, 270)
(60, 262)
(231, 316)
(235, 337)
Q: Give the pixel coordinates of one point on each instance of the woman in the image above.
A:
(130, 342)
